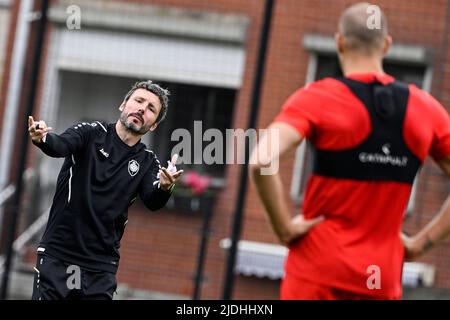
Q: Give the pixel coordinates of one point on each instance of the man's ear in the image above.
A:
(387, 44)
(153, 127)
(339, 42)
(122, 106)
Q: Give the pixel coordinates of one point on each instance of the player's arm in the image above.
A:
(264, 172)
(158, 184)
(53, 145)
(435, 231)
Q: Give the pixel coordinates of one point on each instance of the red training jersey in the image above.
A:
(363, 219)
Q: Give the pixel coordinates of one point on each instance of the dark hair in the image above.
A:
(161, 93)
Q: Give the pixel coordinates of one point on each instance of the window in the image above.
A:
(189, 103)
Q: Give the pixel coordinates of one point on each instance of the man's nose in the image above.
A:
(141, 110)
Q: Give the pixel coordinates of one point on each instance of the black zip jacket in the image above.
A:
(100, 178)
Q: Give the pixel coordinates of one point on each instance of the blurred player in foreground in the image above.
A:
(370, 135)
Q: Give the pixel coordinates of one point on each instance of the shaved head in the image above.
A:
(363, 27)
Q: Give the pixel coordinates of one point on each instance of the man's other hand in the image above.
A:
(169, 176)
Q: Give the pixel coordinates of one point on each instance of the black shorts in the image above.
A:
(55, 279)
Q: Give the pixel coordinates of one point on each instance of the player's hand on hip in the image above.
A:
(169, 176)
(412, 246)
(37, 129)
(299, 227)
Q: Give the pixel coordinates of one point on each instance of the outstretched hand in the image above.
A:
(37, 129)
(169, 176)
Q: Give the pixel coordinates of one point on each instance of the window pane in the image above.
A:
(192, 105)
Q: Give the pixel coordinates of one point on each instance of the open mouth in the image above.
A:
(136, 118)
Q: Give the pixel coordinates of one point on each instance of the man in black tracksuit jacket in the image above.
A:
(106, 167)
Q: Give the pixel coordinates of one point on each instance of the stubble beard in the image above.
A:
(131, 127)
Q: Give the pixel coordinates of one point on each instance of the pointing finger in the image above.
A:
(167, 175)
(177, 174)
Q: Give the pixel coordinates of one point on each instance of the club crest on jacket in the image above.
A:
(133, 167)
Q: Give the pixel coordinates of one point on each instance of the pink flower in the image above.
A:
(196, 182)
